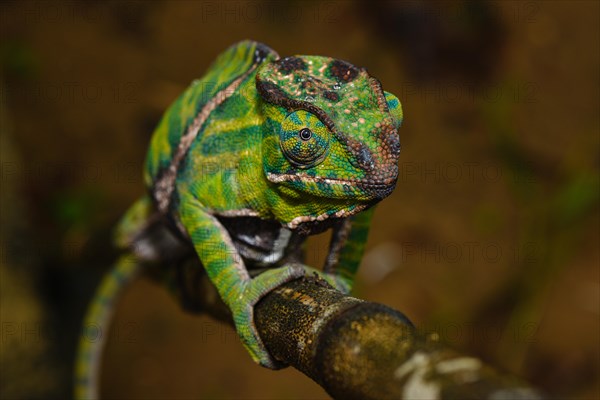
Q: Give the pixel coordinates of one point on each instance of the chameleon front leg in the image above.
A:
(228, 273)
(347, 248)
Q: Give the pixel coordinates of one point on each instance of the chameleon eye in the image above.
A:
(304, 139)
(305, 134)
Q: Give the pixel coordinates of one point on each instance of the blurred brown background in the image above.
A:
(491, 237)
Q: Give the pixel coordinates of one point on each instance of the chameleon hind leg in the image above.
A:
(228, 273)
(96, 326)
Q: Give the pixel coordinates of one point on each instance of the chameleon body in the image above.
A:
(250, 160)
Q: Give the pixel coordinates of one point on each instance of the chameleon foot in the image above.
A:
(255, 289)
(243, 309)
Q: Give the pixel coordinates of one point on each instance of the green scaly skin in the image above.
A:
(247, 162)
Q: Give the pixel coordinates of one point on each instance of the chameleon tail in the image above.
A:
(96, 325)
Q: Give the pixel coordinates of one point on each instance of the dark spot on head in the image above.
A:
(331, 96)
(342, 71)
(393, 141)
(364, 158)
(270, 91)
(308, 87)
(262, 51)
(290, 64)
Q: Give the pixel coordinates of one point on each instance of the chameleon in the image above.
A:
(244, 165)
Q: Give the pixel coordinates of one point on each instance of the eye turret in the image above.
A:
(304, 139)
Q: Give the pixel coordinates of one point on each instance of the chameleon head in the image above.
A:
(332, 132)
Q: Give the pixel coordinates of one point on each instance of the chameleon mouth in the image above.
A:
(307, 219)
(379, 189)
(278, 178)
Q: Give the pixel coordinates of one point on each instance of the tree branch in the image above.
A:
(357, 349)
(361, 350)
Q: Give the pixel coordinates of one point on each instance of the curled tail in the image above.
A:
(94, 333)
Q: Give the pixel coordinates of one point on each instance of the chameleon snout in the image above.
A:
(379, 162)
